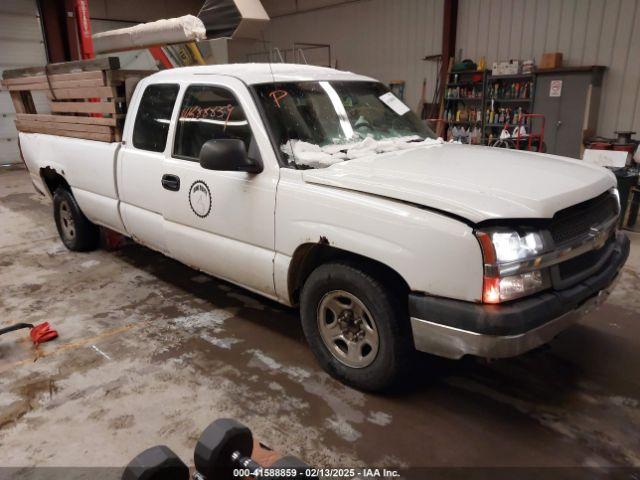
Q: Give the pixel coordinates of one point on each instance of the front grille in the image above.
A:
(575, 221)
(575, 266)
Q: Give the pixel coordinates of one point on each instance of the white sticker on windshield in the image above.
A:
(394, 103)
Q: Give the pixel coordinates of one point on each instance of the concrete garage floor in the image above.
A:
(151, 351)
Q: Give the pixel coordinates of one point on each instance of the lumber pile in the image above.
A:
(88, 98)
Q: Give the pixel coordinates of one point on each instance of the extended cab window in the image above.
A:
(153, 118)
(208, 113)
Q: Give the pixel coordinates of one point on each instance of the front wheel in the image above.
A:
(357, 328)
(76, 231)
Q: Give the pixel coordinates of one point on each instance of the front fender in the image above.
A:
(433, 253)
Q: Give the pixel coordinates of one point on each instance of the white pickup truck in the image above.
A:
(319, 188)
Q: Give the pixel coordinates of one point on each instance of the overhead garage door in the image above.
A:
(21, 45)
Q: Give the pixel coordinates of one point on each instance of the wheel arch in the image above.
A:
(53, 180)
(308, 256)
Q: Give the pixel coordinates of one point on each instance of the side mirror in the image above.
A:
(228, 155)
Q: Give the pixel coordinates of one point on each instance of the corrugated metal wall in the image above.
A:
(587, 32)
(21, 45)
(387, 38)
(381, 38)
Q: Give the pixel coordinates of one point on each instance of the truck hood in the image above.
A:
(473, 182)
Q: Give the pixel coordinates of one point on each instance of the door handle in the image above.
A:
(171, 182)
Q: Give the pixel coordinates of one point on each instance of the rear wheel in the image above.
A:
(75, 229)
(357, 328)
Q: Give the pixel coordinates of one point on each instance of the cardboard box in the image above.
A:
(551, 60)
(512, 67)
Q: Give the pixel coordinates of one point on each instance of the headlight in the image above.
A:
(511, 246)
(516, 286)
(500, 247)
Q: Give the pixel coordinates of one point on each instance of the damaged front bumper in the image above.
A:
(453, 328)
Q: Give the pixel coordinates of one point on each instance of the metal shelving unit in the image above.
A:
(453, 103)
(505, 102)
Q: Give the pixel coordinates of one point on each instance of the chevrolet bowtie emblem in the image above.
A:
(599, 236)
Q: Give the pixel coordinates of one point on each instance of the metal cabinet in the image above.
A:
(569, 99)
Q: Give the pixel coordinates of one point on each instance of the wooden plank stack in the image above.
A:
(88, 98)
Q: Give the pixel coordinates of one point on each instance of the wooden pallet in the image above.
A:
(88, 98)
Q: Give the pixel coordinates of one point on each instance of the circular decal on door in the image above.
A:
(200, 198)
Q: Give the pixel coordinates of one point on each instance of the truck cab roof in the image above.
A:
(255, 73)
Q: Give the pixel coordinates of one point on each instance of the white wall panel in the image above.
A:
(387, 39)
(587, 32)
(381, 38)
(21, 45)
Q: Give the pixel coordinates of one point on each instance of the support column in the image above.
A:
(59, 30)
(449, 26)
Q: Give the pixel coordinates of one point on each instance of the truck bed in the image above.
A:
(87, 99)
(88, 166)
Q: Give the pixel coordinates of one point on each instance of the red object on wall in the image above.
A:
(532, 137)
(81, 8)
(600, 146)
(160, 56)
(624, 147)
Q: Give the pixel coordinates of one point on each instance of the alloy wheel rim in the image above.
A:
(348, 329)
(66, 221)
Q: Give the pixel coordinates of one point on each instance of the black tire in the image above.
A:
(395, 346)
(76, 231)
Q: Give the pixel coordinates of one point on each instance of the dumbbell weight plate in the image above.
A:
(217, 443)
(156, 463)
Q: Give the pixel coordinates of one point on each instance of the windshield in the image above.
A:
(316, 124)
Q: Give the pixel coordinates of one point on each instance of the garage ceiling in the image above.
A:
(142, 11)
(148, 10)
(279, 8)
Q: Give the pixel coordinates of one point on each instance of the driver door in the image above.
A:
(220, 222)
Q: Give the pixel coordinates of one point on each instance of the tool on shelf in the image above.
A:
(520, 138)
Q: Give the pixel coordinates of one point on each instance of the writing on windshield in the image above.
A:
(319, 123)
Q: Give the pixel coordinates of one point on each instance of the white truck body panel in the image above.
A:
(139, 173)
(433, 253)
(370, 206)
(87, 165)
(234, 242)
(256, 73)
(476, 183)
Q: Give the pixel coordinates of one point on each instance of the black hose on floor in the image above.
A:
(17, 326)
